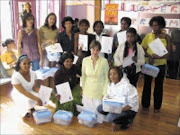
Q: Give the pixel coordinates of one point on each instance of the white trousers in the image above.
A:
(23, 103)
(92, 104)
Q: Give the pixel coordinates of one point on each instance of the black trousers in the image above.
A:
(123, 118)
(133, 78)
(158, 90)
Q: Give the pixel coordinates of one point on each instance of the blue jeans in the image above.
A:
(122, 118)
(35, 64)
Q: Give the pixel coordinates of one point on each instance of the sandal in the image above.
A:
(28, 115)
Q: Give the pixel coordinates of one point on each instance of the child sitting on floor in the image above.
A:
(120, 86)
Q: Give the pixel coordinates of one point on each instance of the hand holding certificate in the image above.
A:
(121, 37)
(65, 91)
(128, 60)
(158, 48)
(83, 42)
(54, 48)
(106, 44)
(44, 94)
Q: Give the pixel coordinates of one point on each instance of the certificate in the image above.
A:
(158, 48)
(83, 42)
(106, 44)
(44, 94)
(54, 48)
(75, 59)
(121, 37)
(128, 60)
(65, 91)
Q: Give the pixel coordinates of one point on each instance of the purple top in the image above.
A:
(30, 44)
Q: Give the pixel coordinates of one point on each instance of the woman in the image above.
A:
(29, 42)
(119, 87)
(94, 77)
(124, 50)
(66, 38)
(67, 73)
(25, 92)
(157, 23)
(125, 24)
(83, 26)
(98, 32)
(48, 34)
(8, 57)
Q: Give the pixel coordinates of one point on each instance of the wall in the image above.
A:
(81, 10)
(141, 11)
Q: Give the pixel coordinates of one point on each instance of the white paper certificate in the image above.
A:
(65, 91)
(75, 59)
(106, 44)
(54, 48)
(158, 48)
(44, 94)
(83, 42)
(121, 37)
(128, 60)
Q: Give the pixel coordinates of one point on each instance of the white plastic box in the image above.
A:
(42, 116)
(112, 107)
(63, 117)
(150, 70)
(87, 118)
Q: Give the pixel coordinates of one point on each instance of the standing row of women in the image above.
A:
(94, 67)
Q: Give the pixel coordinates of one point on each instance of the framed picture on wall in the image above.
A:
(23, 9)
(111, 14)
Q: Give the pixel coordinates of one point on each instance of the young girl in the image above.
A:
(25, 92)
(120, 87)
(83, 25)
(126, 49)
(9, 57)
(29, 42)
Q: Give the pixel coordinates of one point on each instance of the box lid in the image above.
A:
(113, 103)
(87, 116)
(64, 115)
(42, 113)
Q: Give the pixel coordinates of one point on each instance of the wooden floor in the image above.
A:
(164, 122)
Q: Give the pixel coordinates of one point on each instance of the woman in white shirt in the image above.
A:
(25, 92)
(119, 87)
(126, 49)
(98, 28)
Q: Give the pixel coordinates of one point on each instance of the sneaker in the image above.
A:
(156, 110)
(145, 109)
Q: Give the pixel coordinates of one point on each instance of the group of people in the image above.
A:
(101, 74)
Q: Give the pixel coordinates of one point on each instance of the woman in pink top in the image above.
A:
(29, 42)
(126, 49)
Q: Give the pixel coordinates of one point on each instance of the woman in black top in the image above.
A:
(67, 73)
(66, 38)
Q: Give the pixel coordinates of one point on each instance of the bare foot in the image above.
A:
(115, 127)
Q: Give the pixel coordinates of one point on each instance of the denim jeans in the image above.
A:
(35, 64)
(122, 118)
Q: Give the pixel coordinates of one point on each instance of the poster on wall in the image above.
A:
(23, 9)
(111, 14)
